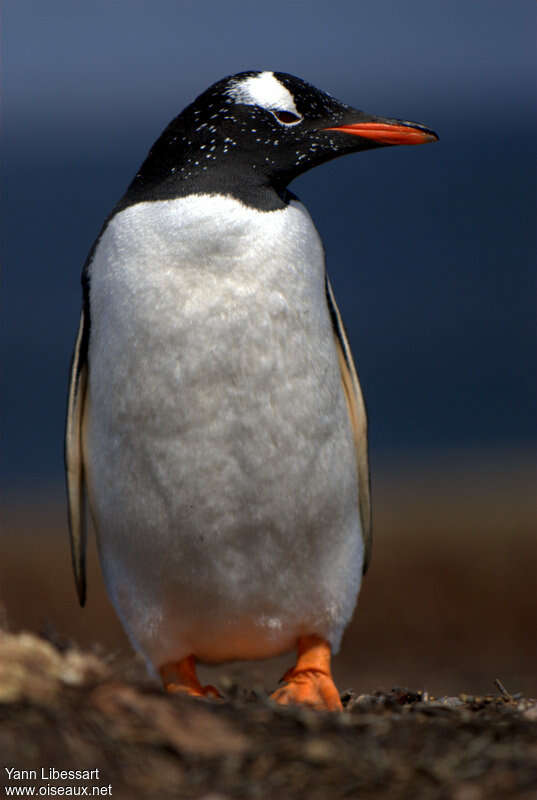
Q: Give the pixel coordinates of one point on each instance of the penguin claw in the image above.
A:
(309, 687)
(180, 678)
(193, 691)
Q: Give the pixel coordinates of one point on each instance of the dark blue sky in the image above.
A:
(431, 250)
(74, 71)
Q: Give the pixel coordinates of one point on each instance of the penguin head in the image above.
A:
(262, 128)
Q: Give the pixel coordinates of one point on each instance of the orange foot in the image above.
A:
(310, 681)
(179, 677)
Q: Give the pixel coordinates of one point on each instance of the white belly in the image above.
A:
(221, 469)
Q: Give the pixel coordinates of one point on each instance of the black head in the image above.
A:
(250, 134)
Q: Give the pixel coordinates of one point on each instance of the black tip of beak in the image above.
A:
(416, 127)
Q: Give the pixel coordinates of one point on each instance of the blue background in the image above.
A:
(431, 249)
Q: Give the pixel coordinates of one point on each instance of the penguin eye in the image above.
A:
(287, 117)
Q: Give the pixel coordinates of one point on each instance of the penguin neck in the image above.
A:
(252, 188)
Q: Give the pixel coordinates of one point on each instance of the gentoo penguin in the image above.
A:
(216, 430)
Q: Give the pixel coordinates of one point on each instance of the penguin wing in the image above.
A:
(74, 461)
(358, 418)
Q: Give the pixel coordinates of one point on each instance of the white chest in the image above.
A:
(202, 298)
(166, 262)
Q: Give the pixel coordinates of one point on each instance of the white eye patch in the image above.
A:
(263, 90)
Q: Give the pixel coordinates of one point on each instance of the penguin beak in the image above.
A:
(388, 131)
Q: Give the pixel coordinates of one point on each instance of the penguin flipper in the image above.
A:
(358, 419)
(74, 459)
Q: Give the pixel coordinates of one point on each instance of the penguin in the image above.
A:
(216, 431)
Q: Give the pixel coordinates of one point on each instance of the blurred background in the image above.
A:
(431, 252)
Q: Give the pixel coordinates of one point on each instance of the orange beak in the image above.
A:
(395, 132)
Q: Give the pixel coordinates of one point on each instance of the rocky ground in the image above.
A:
(64, 709)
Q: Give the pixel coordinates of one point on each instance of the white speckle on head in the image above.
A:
(263, 90)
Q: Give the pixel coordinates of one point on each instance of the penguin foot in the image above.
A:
(310, 681)
(179, 677)
(308, 687)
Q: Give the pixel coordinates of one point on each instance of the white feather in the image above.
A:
(221, 467)
(263, 90)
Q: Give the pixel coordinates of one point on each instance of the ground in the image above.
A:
(64, 709)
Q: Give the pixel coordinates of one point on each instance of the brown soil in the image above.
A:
(70, 710)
